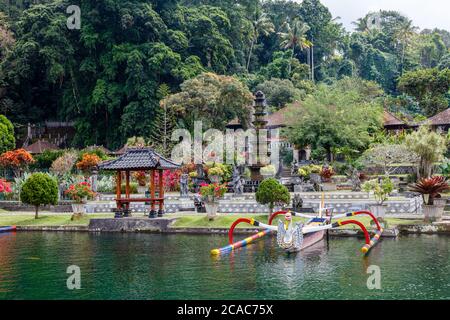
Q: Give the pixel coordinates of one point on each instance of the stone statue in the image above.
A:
(356, 181)
(297, 203)
(200, 172)
(238, 186)
(294, 168)
(184, 188)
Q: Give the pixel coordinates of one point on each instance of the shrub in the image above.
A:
(380, 188)
(133, 188)
(46, 159)
(272, 193)
(106, 184)
(39, 189)
(268, 170)
(64, 164)
(7, 140)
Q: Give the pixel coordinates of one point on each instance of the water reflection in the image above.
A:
(155, 266)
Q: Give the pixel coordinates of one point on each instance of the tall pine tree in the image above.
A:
(163, 125)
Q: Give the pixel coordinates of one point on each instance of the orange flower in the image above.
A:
(88, 162)
(16, 159)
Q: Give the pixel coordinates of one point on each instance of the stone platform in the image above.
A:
(130, 225)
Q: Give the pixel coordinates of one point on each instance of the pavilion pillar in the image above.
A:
(152, 194)
(161, 194)
(127, 193)
(118, 213)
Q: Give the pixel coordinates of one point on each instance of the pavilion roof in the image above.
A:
(139, 159)
(442, 118)
(391, 120)
(40, 146)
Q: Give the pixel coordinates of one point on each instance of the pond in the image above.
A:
(157, 266)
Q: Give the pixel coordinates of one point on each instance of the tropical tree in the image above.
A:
(429, 87)
(260, 26)
(335, 118)
(294, 36)
(404, 34)
(211, 98)
(429, 146)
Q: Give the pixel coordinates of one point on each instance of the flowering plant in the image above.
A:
(88, 162)
(211, 192)
(16, 160)
(5, 187)
(80, 191)
(268, 170)
(193, 174)
(171, 180)
(215, 171)
(140, 178)
(306, 171)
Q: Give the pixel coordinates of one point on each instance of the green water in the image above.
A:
(148, 266)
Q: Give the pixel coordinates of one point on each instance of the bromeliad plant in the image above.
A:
(430, 188)
(212, 192)
(327, 173)
(80, 192)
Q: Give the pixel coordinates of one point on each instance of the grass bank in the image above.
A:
(183, 221)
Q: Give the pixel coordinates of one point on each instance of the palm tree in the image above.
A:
(261, 26)
(294, 36)
(404, 34)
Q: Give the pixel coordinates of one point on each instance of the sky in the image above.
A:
(424, 13)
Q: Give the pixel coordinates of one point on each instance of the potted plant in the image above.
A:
(80, 193)
(431, 189)
(141, 179)
(268, 171)
(211, 193)
(327, 174)
(215, 174)
(381, 188)
(272, 193)
(307, 171)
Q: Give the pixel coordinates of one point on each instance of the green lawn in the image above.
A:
(46, 220)
(183, 221)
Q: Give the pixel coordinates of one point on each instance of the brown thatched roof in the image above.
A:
(442, 118)
(40, 146)
(390, 120)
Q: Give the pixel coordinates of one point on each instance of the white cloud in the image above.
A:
(425, 13)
